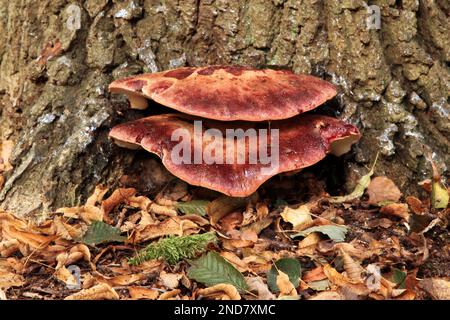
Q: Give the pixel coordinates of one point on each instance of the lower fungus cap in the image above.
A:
(235, 158)
(228, 93)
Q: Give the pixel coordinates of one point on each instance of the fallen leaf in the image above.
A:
(300, 218)
(334, 232)
(221, 291)
(327, 295)
(222, 206)
(121, 280)
(396, 209)
(352, 268)
(212, 269)
(193, 207)
(382, 189)
(285, 286)
(118, 197)
(2, 295)
(170, 280)
(257, 285)
(355, 287)
(139, 293)
(289, 266)
(169, 295)
(315, 274)
(357, 193)
(99, 292)
(416, 206)
(100, 232)
(439, 289)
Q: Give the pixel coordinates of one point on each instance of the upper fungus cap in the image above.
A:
(228, 93)
(303, 141)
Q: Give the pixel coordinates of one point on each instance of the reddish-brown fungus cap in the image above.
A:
(303, 141)
(228, 93)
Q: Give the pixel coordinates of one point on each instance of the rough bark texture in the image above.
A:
(393, 82)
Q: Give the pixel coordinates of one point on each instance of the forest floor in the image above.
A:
(186, 243)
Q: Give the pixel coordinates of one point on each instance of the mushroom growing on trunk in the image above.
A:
(238, 126)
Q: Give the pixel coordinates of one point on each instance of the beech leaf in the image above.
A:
(211, 269)
(100, 232)
(336, 233)
(289, 266)
(193, 207)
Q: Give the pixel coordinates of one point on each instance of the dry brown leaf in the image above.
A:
(140, 293)
(121, 280)
(87, 213)
(101, 291)
(170, 295)
(64, 275)
(235, 261)
(220, 291)
(351, 267)
(257, 285)
(308, 245)
(327, 295)
(231, 221)
(396, 209)
(439, 289)
(286, 287)
(315, 274)
(342, 281)
(170, 280)
(65, 230)
(97, 196)
(163, 210)
(170, 226)
(300, 218)
(10, 279)
(118, 197)
(416, 206)
(382, 189)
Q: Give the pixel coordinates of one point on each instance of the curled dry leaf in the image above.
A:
(121, 280)
(140, 293)
(355, 287)
(308, 245)
(396, 209)
(257, 285)
(87, 213)
(220, 291)
(286, 287)
(237, 262)
(170, 226)
(351, 267)
(315, 274)
(99, 292)
(382, 189)
(300, 218)
(118, 197)
(416, 206)
(9, 279)
(170, 295)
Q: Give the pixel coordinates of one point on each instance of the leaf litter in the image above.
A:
(374, 243)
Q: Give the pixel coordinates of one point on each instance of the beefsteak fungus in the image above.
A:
(231, 117)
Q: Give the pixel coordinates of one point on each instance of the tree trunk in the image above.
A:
(57, 58)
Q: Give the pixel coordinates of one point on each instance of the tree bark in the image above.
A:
(393, 82)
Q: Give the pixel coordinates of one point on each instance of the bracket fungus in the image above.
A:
(237, 128)
(228, 93)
